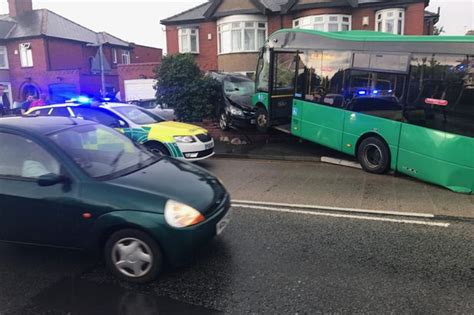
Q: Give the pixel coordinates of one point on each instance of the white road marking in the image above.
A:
(347, 216)
(356, 210)
(334, 161)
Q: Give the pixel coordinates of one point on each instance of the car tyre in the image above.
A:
(223, 121)
(374, 155)
(262, 119)
(133, 256)
(157, 149)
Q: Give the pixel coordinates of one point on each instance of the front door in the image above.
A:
(30, 213)
(282, 86)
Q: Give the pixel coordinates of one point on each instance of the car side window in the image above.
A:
(100, 116)
(25, 158)
(60, 111)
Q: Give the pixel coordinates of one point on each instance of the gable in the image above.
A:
(235, 5)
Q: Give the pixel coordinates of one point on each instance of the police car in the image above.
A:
(179, 140)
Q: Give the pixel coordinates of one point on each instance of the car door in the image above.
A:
(30, 213)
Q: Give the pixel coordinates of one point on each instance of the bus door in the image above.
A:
(282, 86)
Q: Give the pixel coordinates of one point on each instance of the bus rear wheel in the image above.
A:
(374, 155)
(262, 119)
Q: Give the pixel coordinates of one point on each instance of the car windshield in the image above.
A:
(238, 86)
(101, 151)
(139, 115)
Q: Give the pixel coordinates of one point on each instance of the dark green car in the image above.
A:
(59, 187)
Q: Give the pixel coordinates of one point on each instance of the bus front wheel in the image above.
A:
(374, 155)
(262, 119)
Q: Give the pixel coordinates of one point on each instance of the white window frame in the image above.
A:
(125, 57)
(321, 22)
(4, 52)
(8, 90)
(240, 24)
(26, 55)
(114, 55)
(398, 17)
(186, 34)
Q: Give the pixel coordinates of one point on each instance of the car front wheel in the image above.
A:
(224, 121)
(133, 255)
(262, 119)
(157, 149)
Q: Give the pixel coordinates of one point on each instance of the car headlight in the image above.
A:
(179, 215)
(236, 111)
(184, 139)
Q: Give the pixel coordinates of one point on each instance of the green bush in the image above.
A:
(182, 86)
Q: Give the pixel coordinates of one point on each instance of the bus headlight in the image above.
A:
(179, 215)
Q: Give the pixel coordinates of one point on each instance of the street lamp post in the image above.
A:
(102, 70)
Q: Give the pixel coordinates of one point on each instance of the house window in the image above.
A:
(26, 55)
(3, 57)
(324, 23)
(241, 36)
(390, 21)
(125, 57)
(114, 55)
(188, 40)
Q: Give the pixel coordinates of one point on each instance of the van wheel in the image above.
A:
(133, 255)
(223, 121)
(157, 149)
(374, 155)
(262, 119)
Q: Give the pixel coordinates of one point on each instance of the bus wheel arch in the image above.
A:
(373, 153)
(157, 148)
(262, 118)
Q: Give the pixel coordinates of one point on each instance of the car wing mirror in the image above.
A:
(51, 180)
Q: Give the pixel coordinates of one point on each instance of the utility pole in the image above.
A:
(102, 71)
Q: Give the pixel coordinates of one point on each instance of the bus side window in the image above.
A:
(446, 80)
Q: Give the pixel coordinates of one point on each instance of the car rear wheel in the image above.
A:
(157, 149)
(374, 155)
(133, 255)
(223, 121)
(262, 119)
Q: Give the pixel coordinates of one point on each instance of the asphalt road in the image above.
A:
(268, 260)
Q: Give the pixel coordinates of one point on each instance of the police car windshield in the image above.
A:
(101, 151)
(139, 115)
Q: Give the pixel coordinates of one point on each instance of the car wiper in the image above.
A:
(117, 158)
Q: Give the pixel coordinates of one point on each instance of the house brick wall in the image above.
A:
(414, 19)
(357, 17)
(172, 39)
(144, 54)
(207, 57)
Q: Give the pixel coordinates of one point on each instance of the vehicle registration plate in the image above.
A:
(220, 226)
(253, 121)
(209, 146)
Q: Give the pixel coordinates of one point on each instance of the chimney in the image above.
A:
(18, 7)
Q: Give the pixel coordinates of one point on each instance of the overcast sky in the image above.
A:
(138, 20)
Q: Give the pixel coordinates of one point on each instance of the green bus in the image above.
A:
(404, 103)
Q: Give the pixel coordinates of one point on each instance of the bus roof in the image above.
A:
(370, 41)
(371, 36)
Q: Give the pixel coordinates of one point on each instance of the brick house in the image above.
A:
(43, 52)
(226, 35)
